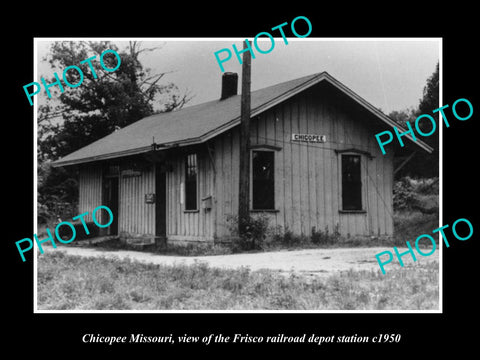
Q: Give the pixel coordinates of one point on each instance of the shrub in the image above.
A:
(286, 237)
(256, 227)
(65, 232)
(50, 209)
(320, 237)
(402, 194)
(57, 192)
(428, 186)
(416, 194)
(44, 215)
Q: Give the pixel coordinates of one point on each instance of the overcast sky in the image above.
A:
(389, 73)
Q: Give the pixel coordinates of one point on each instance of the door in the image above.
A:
(110, 199)
(160, 201)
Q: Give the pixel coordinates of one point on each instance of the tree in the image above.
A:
(423, 164)
(82, 115)
(99, 105)
(430, 99)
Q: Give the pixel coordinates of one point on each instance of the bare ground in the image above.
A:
(310, 262)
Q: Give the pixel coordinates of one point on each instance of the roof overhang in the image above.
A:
(324, 76)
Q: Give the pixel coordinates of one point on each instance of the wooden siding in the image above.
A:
(226, 180)
(308, 175)
(136, 218)
(189, 225)
(89, 190)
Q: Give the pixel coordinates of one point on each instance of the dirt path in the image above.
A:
(321, 262)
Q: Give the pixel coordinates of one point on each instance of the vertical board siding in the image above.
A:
(287, 167)
(89, 190)
(388, 194)
(278, 221)
(189, 225)
(304, 170)
(296, 226)
(307, 175)
(136, 218)
(312, 173)
(326, 170)
(226, 181)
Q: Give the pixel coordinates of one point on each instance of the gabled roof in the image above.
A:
(199, 123)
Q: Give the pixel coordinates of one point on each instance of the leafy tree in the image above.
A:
(403, 116)
(100, 105)
(423, 164)
(430, 100)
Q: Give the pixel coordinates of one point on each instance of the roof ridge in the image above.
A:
(312, 76)
(200, 122)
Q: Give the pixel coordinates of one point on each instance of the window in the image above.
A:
(263, 193)
(191, 182)
(351, 183)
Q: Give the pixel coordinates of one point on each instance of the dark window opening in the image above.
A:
(351, 183)
(263, 193)
(191, 182)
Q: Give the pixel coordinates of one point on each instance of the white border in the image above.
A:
(35, 168)
(35, 178)
(440, 175)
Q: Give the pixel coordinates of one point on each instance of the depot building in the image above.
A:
(315, 165)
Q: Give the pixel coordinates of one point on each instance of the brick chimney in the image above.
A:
(229, 85)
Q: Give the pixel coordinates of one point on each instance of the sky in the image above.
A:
(389, 73)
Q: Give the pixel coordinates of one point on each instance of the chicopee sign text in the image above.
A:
(309, 138)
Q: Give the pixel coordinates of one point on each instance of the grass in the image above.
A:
(194, 249)
(409, 225)
(73, 282)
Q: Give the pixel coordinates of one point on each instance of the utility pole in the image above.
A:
(244, 175)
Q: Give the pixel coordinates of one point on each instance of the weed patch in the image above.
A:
(408, 225)
(76, 283)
